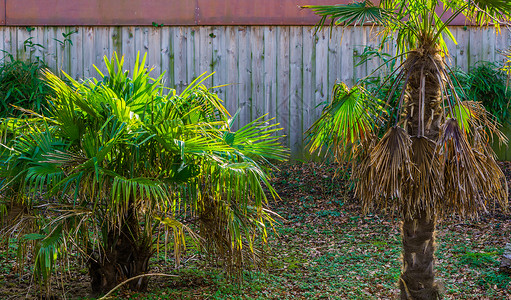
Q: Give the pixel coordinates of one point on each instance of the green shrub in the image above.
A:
(21, 86)
(115, 166)
(487, 83)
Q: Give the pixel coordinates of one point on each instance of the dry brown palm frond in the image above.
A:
(495, 181)
(426, 187)
(480, 118)
(471, 178)
(382, 173)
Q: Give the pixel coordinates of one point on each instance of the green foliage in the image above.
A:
(492, 278)
(125, 148)
(487, 263)
(66, 38)
(22, 86)
(346, 123)
(487, 83)
(478, 260)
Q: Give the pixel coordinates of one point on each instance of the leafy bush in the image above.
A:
(122, 167)
(21, 85)
(487, 83)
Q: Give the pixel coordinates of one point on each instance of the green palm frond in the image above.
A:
(149, 193)
(346, 123)
(178, 231)
(256, 140)
(356, 13)
(48, 246)
(484, 12)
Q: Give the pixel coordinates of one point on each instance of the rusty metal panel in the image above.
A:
(268, 12)
(100, 12)
(259, 12)
(167, 12)
(2, 12)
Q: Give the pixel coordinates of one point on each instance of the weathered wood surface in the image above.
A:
(284, 71)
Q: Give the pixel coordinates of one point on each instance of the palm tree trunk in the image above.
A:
(423, 111)
(125, 256)
(418, 278)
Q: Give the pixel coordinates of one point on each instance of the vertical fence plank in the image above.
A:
(283, 80)
(296, 89)
(63, 50)
(39, 41)
(165, 57)
(101, 47)
(144, 45)
(244, 76)
(462, 50)
(359, 40)
(231, 100)
(180, 58)
(115, 44)
(50, 51)
(219, 60)
(309, 78)
(22, 51)
(76, 54)
(206, 53)
(488, 44)
(191, 57)
(154, 51)
(172, 59)
(257, 55)
(128, 47)
(11, 41)
(500, 45)
(88, 52)
(334, 59)
(475, 46)
(270, 71)
(321, 88)
(372, 41)
(2, 42)
(138, 41)
(346, 68)
(451, 47)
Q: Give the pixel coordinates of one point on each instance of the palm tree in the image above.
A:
(116, 166)
(433, 157)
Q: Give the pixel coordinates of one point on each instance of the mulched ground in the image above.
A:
(323, 249)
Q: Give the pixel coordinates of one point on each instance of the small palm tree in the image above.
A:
(433, 158)
(117, 165)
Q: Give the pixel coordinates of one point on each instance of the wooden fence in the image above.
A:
(282, 70)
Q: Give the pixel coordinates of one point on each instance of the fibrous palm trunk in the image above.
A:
(422, 115)
(124, 257)
(418, 278)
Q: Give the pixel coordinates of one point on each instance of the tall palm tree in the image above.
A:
(433, 158)
(116, 166)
